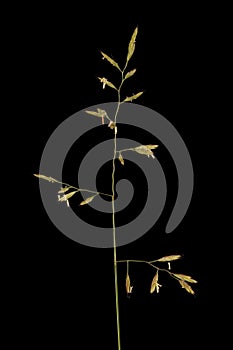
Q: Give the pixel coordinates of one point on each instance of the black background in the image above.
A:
(65, 291)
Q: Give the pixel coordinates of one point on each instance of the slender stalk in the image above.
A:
(126, 149)
(136, 261)
(70, 186)
(151, 263)
(114, 229)
(113, 210)
(84, 189)
(114, 241)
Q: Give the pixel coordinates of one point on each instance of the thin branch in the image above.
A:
(70, 186)
(151, 263)
(145, 262)
(125, 149)
(84, 189)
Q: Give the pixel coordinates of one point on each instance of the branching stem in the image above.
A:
(82, 189)
(113, 207)
(151, 263)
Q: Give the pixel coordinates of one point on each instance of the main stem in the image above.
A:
(113, 217)
(114, 234)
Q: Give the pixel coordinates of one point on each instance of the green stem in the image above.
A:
(114, 231)
(113, 211)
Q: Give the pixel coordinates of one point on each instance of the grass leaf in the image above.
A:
(131, 46)
(184, 277)
(152, 146)
(169, 258)
(145, 149)
(67, 196)
(47, 178)
(121, 159)
(64, 189)
(88, 200)
(187, 287)
(129, 288)
(106, 82)
(96, 114)
(131, 98)
(109, 59)
(154, 282)
(129, 74)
